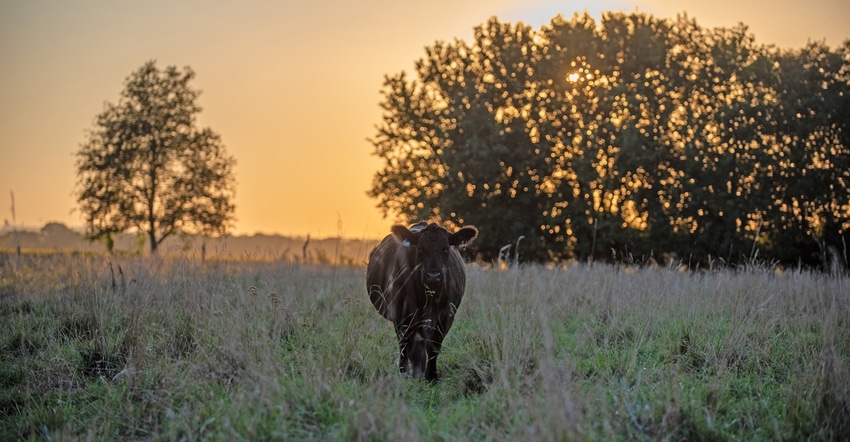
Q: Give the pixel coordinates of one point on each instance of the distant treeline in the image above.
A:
(630, 138)
(58, 237)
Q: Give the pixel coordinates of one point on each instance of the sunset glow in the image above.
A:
(292, 88)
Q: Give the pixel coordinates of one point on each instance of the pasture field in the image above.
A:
(104, 348)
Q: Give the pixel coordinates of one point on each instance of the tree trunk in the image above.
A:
(304, 248)
(152, 237)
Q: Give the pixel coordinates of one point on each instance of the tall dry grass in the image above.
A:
(173, 349)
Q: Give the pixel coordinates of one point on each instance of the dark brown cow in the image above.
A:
(415, 279)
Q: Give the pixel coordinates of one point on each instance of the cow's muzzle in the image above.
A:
(433, 278)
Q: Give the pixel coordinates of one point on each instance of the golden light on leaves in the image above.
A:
(637, 143)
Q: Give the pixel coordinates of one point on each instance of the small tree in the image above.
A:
(145, 164)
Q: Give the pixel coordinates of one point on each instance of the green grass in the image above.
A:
(176, 349)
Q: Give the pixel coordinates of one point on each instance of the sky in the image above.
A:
(293, 88)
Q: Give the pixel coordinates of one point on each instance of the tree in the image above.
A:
(637, 135)
(812, 188)
(146, 166)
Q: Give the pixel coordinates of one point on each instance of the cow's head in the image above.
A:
(431, 244)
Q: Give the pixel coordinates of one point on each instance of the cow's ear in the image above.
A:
(405, 236)
(463, 236)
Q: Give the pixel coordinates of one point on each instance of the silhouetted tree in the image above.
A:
(811, 185)
(145, 164)
(634, 135)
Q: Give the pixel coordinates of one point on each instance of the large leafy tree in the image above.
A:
(633, 135)
(811, 186)
(147, 166)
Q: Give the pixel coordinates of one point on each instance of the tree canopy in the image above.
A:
(146, 165)
(635, 136)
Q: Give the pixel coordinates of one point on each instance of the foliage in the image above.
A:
(637, 135)
(146, 166)
(260, 350)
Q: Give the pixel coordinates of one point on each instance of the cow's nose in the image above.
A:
(433, 276)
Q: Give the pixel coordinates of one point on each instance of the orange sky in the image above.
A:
(292, 87)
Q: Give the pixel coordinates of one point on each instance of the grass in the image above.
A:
(130, 348)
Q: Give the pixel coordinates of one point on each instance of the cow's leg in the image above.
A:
(419, 356)
(403, 349)
(403, 361)
(433, 345)
(433, 350)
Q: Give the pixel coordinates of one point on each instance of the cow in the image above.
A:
(415, 279)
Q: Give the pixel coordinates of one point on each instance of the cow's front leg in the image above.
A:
(435, 345)
(403, 349)
(418, 352)
(433, 350)
(403, 361)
